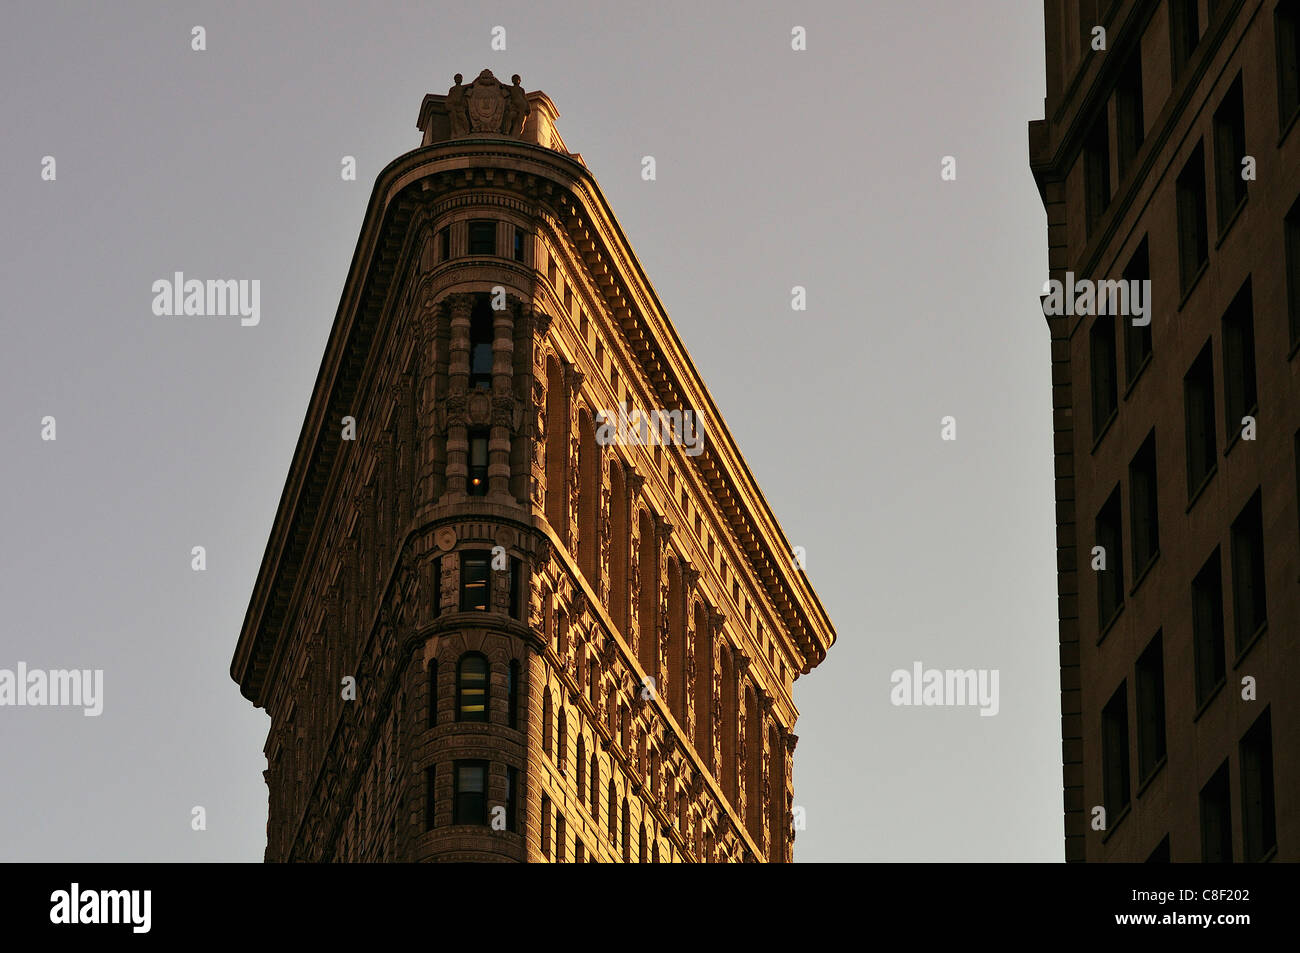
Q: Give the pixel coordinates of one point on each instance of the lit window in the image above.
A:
(474, 570)
(478, 463)
(472, 688)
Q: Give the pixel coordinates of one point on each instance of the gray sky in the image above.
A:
(775, 168)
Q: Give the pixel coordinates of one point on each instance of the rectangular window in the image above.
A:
(520, 237)
(1193, 229)
(470, 804)
(1207, 628)
(1216, 819)
(512, 798)
(1110, 580)
(561, 839)
(1239, 392)
(1101, 349)
(1185, 32)
(1096, 171)
(478, 463)
(1258, 811)
(437, 586)
(430, 782)
(444, 243)
(474, 575)
(1137, 338)
(1287, 27)
(1144, 511)
(1198, 404)
(482, 238)
(1291, 227)
(1229, 149)
(546, 827)
(1151, 707)
(516, 589)
(1130, 128)
(1248, 600)
(579, 851)
(1114, 740)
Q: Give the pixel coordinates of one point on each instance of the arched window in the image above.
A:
(654, 851)
(512, 694)
(595, 786)
(588, 497)
(557, 448)
(647, 565)
(727, 720)
(703, 686)
(776, 809)
(677, 687)
(433, 692)
(753, 766)
(613, 814)
(643, 851)
(562, 740)
(472, 687)
(581, 764)
(546, 723)
(618, 530)
(627, 834)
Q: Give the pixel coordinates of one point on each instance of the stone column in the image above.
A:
(503, 402)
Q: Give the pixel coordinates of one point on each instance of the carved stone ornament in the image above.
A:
(485, 103)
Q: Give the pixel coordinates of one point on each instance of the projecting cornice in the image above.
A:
(402, 196)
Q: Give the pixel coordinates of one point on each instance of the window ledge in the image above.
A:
(1105, 427)
(1193, 282)
(1287, 126)
(1110, 623)
(1252, 411)
(1232, 219)
(1124, 812)
(1141, 576)
(1153, 774)
(1196, 494)
(1209, 699)
(1250, 644)
(1137, 375)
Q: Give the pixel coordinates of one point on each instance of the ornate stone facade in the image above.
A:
(446, 671)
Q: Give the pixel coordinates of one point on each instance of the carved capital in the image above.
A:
(791, 739)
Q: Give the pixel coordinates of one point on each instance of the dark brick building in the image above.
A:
(481, 632)
(1172, 155)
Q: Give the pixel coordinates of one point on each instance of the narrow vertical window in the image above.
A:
(1291, 228)
(1151, 707)
(444, 243)
(475, 567)
(1248, 598)
(512, 798)
(1258, 810)
(1145, 522)
(546, 827)
(1287, 30)
(1115, 753)
(478, 463)
(433, 692)
(512, 694)
(1229, 150)
(1130, 128)
(1110, 580)
(1185, 33)
(1207, 628)
(595, 787)
(580, 762)
(1193, 229)
(1101, 349)
(1198, 403)
(480, 345)
(1216, 819)
(1240, 395)
(470, 804)
(520, 238)
(516, 588)
(1096, 170)
(562, 739)
(1137, 337)
(472, 688)
(548, 715)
